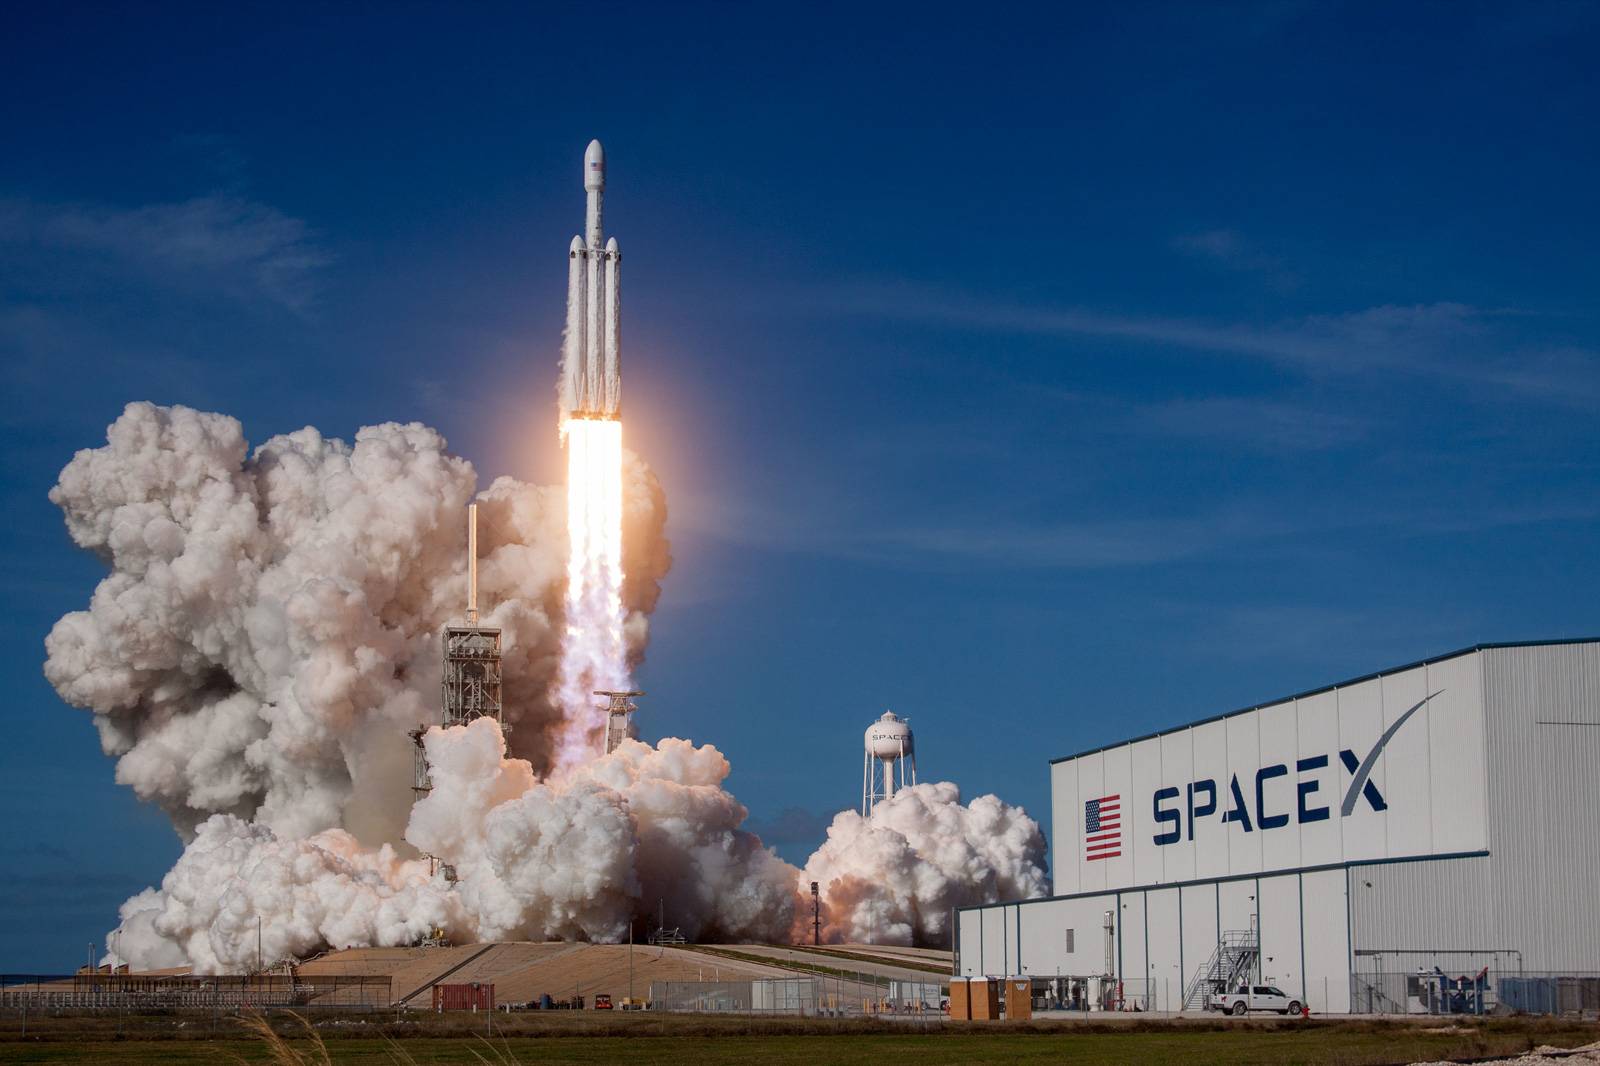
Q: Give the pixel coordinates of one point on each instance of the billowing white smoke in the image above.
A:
(270, 625)
(268, 632)
(893, 877)
(324, 890)
(578, 859)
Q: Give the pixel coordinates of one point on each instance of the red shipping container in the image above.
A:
(463, 997)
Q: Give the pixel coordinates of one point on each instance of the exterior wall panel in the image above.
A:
(1210, 835)
(1244, 755)
(1321, 841)
(1199, 930)
(1280, 933)
(1458, 765)
(1131, 918)
(1119, 782)
(1544, 745)
(1161, 967)
(1365, 832)
(1064, 837)
(1091, 785)
(1327, 942)
(1280, 849)
(1177, 765)
(1148, 860)
(1406, 767)
(1436, 905)
(996, 942)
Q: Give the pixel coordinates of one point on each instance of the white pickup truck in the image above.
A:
(1253, 997)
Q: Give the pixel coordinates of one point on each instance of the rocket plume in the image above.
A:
(593, 645)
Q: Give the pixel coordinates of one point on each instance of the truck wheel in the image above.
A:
(1239, 1009)
(1294, 1007)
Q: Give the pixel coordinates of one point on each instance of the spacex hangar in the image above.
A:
(1421, 838)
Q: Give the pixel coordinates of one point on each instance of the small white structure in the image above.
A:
(891, 756)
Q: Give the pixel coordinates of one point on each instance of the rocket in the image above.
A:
(591, 372)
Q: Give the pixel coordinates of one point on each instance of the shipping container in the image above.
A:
(463, 997)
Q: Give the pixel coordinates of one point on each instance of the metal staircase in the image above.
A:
(1231, 964)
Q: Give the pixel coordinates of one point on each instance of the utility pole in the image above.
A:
(258, 943)
(630, 962)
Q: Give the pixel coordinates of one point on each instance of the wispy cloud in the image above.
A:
(1256, 423)
(1444, 341)
(1229, 248)
(842, 531)
(221, 243)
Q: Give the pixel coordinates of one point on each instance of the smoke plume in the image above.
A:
(894, 876)
(267, 634)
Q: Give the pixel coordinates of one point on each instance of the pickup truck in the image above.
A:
(1253, 997)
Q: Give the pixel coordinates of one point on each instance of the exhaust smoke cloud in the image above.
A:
(269, 631)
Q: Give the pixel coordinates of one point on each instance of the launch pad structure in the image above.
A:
(470, 684)
(617, 712)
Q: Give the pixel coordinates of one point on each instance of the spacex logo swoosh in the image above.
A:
(1358, 782)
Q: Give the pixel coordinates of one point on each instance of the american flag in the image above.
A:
(1102, 828)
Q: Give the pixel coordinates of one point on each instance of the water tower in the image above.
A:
(891, 760)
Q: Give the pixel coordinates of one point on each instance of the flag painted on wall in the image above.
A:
(1102, 828)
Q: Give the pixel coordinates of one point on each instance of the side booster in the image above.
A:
(591, 369)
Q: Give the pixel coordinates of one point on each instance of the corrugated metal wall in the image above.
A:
(1422, 906)
(1543, 706)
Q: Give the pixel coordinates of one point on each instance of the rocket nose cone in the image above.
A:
(594, 166)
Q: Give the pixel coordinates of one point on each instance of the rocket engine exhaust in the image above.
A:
(593, 651)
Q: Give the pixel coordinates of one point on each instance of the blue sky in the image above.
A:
(1049, 377)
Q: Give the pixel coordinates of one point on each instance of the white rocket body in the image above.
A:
(591, 365)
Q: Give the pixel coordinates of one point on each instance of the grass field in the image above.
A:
(708, 1041)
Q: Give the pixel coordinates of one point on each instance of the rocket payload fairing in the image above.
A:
(591, 370)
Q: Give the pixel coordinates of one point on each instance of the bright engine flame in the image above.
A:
(593, 652)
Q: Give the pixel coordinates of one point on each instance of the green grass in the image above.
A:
(700, 1041)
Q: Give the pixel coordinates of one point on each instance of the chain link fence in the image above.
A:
(820, 996)
(142, 993)
(1569, 994)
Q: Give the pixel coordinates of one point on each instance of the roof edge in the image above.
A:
(1329, 688)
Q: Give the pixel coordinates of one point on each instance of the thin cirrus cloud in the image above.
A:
(1445, 341)
(1230, 249)
(1089, 543)
(217, 243)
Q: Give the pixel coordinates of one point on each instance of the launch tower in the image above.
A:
(470, 688)
(617, 729)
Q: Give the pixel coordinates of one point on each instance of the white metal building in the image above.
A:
(1445, 813)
